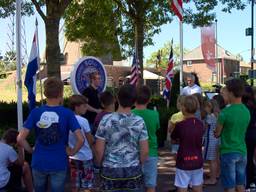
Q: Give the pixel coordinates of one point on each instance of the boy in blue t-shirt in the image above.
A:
(51, 123)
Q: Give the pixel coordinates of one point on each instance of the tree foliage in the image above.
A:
(164, 54)
(97, 27)
(7, 8)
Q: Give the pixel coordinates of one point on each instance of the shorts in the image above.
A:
(183, 178)
(233, 167)
(81, 173)
(14, 183)
(149, 169)
(121, 179)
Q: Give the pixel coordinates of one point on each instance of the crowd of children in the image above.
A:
(122, 141)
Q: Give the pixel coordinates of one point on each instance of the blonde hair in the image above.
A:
(190, 104)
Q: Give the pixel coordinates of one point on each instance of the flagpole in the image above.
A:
(39, 64)
(181, 56)
(18, 64)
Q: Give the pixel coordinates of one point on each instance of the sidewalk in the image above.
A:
(166, 174)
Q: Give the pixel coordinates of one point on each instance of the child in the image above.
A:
(211, 143)
(107, 101)
(151, 119)
(12, 166)
(122, 145)
(231, 127)
(51, 123)
(81, 166)
(175, 118)
(189, 133)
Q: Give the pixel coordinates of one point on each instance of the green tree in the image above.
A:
(164, 53)
(96, 24)
(54, 11)
(9, 61)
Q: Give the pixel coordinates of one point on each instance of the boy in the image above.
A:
(189, 162)
(107, 101)
(51, 123)
(81, 163)
(151, 119)
(175, 118)
(122, 145)
(11, 163)
(231, 127)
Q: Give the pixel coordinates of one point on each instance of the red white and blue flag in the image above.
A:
(169, 76)
(176, 6)
(135, 70)
(32, 67)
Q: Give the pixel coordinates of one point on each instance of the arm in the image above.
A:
(20, 159)
(218, 130)
(99, 150)
(22, 142)
(79, 143)
(92, 109)
(143, 151)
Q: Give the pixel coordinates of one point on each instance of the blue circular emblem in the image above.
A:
(80, 75)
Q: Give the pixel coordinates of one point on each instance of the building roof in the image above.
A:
(196, 54)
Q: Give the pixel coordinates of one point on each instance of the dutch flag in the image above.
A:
(32, 67)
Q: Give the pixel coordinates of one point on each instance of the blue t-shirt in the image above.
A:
(51, 125)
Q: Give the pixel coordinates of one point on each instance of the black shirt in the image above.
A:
(93, 100)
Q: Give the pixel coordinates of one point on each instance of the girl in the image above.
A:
(211, 143)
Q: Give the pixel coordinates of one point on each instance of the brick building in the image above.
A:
(194, 62)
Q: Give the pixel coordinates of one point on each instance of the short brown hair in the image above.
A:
(126, 95)
(143, 95)
(10, 136)
(190, 104)
(53, 87)
(236, 86)
(76, 100)
(93, 75)
(106, 98)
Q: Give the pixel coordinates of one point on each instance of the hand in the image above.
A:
(69, 151)
(98, 110)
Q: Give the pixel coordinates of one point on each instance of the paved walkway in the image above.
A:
(166, 174)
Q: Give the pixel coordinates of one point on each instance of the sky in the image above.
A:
(230, 33)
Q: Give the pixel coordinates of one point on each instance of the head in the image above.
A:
(190, 80)
(180, 102)
(78, 104)
(220, 101)
(200, 100)
(248, 96)
(107, 100)
(208, 107)
(143, 95)
(235, 88)
(10, 136)
(190, 105)
(53, 88)
(224, 94)
(95, 79)
(126, 96)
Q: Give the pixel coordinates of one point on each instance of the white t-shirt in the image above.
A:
(7, 155)
(85, 153)
(191, 90)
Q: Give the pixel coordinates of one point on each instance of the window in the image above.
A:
(189, 63)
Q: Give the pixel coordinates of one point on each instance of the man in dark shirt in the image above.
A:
(91, 92)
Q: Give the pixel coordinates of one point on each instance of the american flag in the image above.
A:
(176, 6)
(169, 76)
(135, 70)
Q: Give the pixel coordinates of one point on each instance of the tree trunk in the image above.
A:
(52, 46)
(139, 40)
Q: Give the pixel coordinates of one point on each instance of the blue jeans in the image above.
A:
(56, 179)
(233, 167)
(149, 169)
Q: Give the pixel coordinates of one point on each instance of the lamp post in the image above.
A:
(252, 39)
